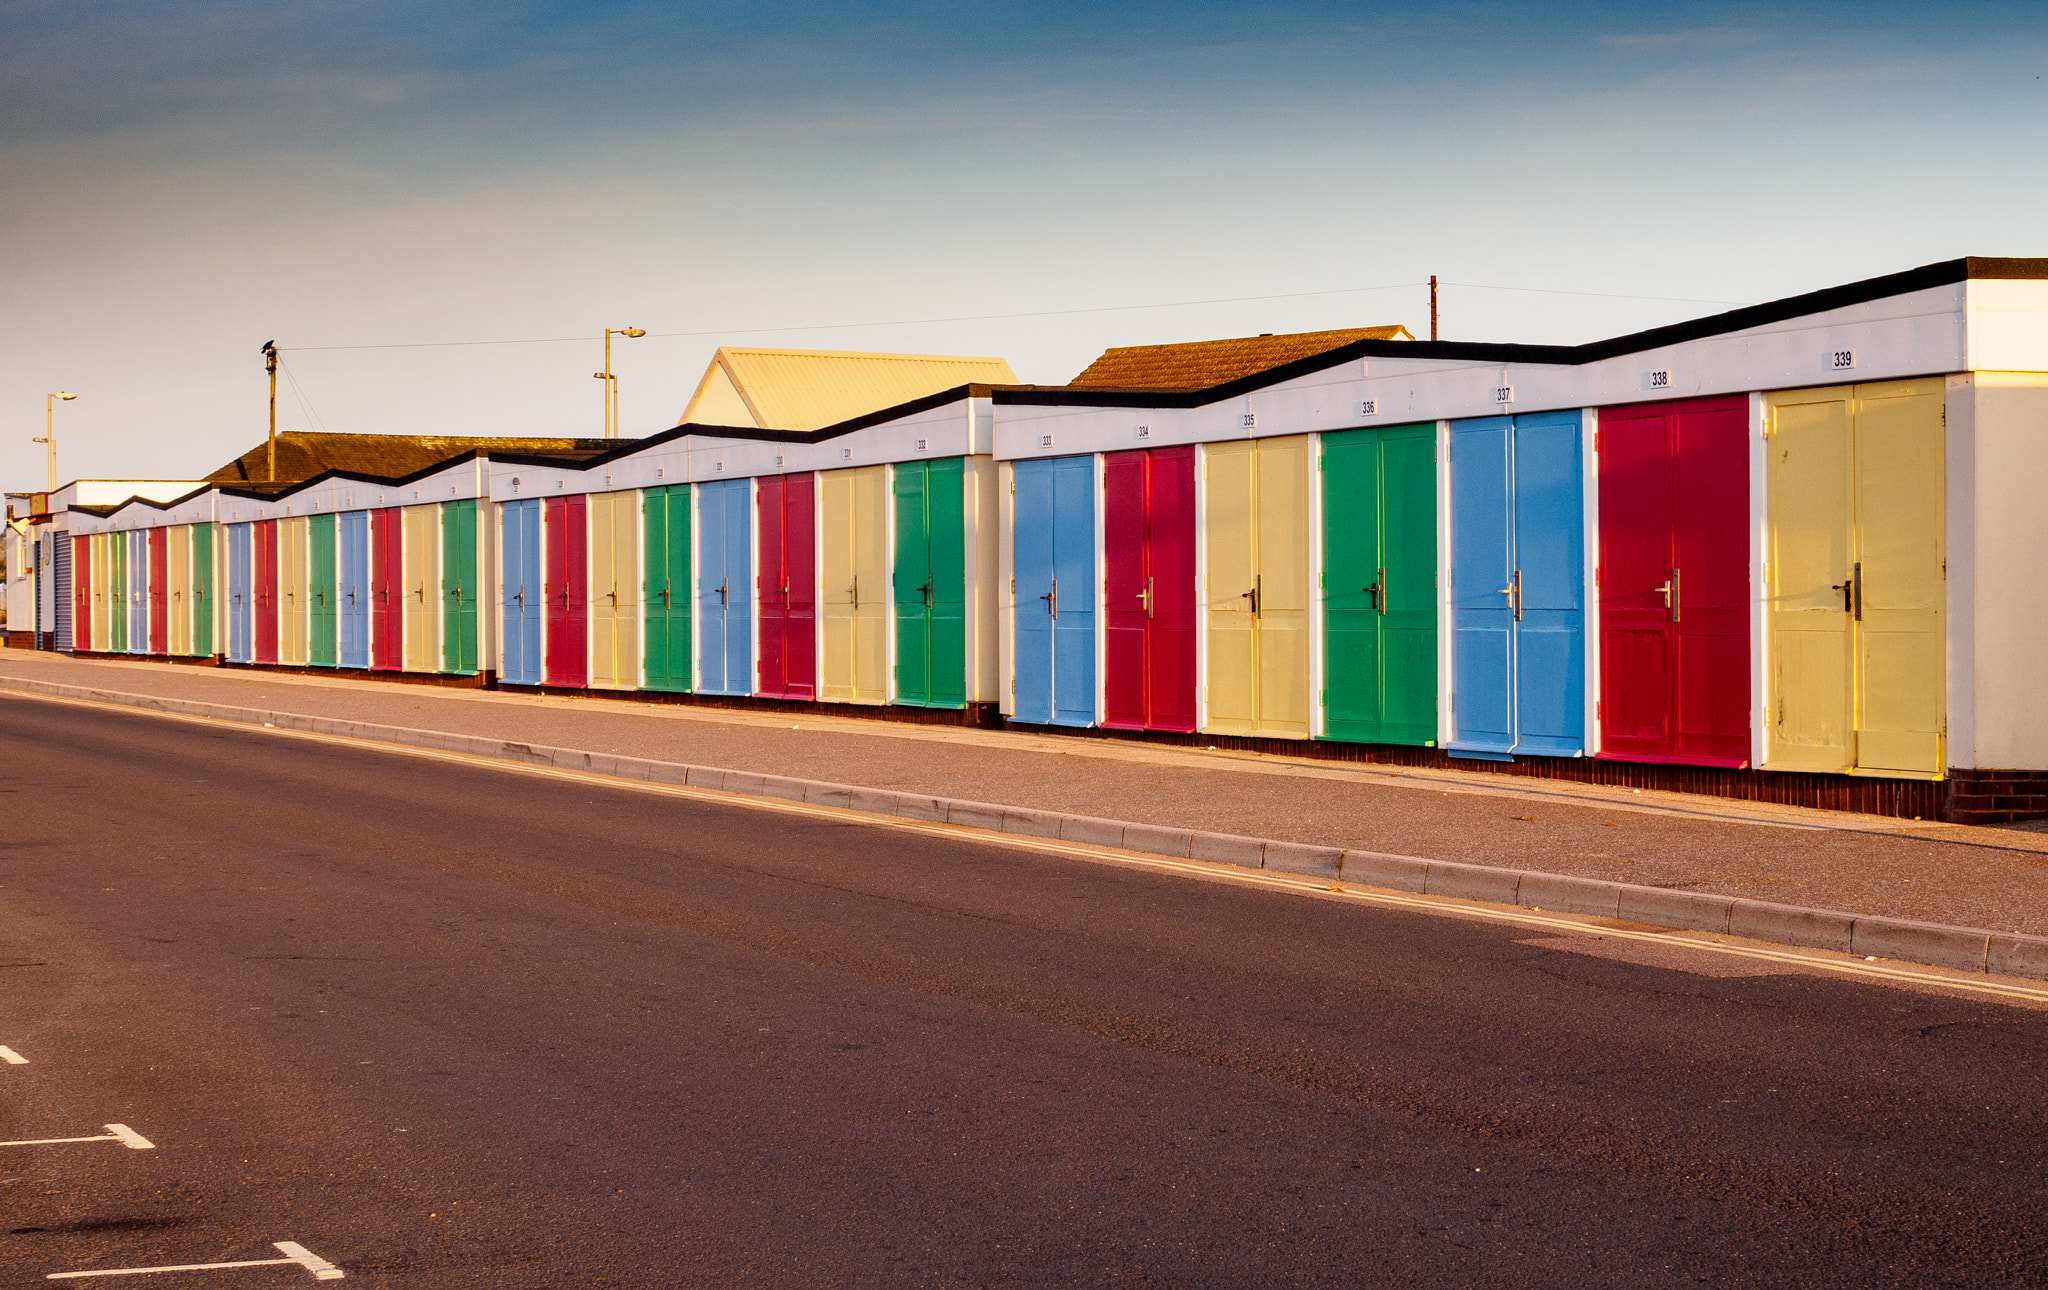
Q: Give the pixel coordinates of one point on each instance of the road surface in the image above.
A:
(446, 1024)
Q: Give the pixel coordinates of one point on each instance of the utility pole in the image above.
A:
(270, 365)
(611, 378)
(1432, 306)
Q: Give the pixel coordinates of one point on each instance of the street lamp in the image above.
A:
(611, 379)
(49, 439)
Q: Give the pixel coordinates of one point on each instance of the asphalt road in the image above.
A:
(448, 1025)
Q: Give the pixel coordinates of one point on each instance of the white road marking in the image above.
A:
(293, 1252)
(11, 1057)
(120, 1133)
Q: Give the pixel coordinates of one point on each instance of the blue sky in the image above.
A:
(181, 181)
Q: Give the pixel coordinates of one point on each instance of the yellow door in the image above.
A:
(1230, 542)
(1902, 648)
(1812, 508)
(614, 591)
(421, 564)
(853, 597)
(1855, 579)
(178, 588)
(293, 613)
(102, 612)
(1256, 543)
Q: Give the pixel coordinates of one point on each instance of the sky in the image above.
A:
(381, 185)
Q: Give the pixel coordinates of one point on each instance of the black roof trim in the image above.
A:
(924, 403)
(136, 499)
(1945, 273)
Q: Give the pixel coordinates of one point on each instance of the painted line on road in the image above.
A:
(1290, 883)
(120, 1133)
(11, 1057)
(321, 1269)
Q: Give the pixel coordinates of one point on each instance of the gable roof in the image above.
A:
(302, 455)
(1194, 365)
(808, 389)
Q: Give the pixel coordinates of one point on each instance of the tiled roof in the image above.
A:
(1197, 365)
(303, 454)
(806, 389)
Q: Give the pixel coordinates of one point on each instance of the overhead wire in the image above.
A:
(1038, 313)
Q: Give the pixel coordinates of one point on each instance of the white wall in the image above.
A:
(1998, 598)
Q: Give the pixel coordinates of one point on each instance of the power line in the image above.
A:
(305, 404)
(1040, 313)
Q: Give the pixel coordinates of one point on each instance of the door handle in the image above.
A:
(1147, 597)
(1378, 592)
(1848, 589)
(926, 589)
(1513, 591)
(1857, 590)
(1671, 596)
(664, 592)
(1253, 594)
(519, 597)
(723, 601)
(1052, 599)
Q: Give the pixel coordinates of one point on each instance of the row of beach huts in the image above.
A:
(1784, 552)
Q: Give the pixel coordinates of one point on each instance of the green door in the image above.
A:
(930, 583)
(460, 586)
(117, 594)
(665, 594)
(202, 590)
(1379, 585)
(320, 588)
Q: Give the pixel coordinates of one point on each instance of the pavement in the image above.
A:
(445, 1023)
(1993, 878)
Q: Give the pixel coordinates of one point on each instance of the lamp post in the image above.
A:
(49, 439)
(611, 379)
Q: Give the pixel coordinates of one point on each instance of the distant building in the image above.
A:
(807, 389)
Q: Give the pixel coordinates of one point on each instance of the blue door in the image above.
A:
(521, 588)
(138, 594)
(1517, 606)
(240, 611)
(1054, 559)
(352, 588)
(725, 581)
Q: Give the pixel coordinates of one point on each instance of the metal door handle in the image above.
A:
(854, 590)
(1052, 599)
(1378, 592)
(1848, 589)
(927, 590)
(1513, 591)
(519, 597)
(1671, 597)
(723, 601)
(1857, 591)
(1253, 595)
(664, 591)
(614, 594)
(1146, 596)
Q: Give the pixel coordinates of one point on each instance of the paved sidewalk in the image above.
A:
(1993, 878)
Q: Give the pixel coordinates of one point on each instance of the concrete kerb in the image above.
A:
(1961, 948)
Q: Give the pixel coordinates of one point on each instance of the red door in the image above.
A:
(1674, 582)
(159, 601)
(1148, 526)
(264, 587)
(387, 590)
(81, 594)
(566, 581)
(788, 594)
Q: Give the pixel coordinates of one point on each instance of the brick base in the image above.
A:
(1996, 796)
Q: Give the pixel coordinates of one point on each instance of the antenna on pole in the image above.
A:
(270, 365)
(1432, 306)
